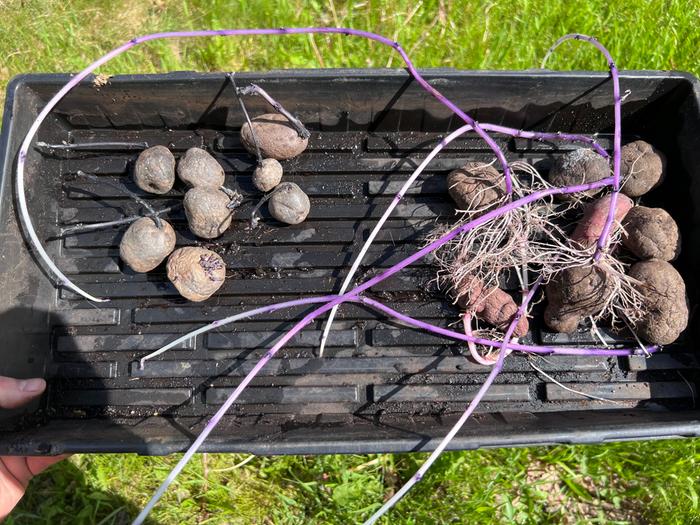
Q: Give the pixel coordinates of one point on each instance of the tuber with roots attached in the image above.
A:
(198, 168)
(580, 166)
(154, 170)
(145, 245)
(576, 293)
(276, 137)
(491, 304)
(208, 211)
(267, 175)
(476, 186)
(651, 233)
(590, 227)
(642, 168)
(196, 272)
(666, 308)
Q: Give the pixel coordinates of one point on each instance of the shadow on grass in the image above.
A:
(62, 495)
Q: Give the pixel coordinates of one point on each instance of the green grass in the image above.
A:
(655, 482)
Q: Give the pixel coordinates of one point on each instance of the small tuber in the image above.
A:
(198, 168)
(576, 293)
(595, 214)
(289, 204)
(642, 168)
(207, 210)
(276, 137)
(196, 272)
(666, 307)
(580, 166)
(154, 170)
(491, 304)
(145, 245)
(651, 233)
(476, 186)
(267, 175)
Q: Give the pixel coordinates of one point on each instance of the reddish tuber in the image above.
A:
(595, 214)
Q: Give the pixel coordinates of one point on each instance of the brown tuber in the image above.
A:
(276, 137)
(651, 233)
(289, 204)
(666, 308)
(595, 215)
(207, 211)
(491, 305)
(267, 175)
(199, 169)
(576, 293)
(196, 272)
(642, 168)
(145, 245)
(154, 170)
(580, 166)
(476, 186)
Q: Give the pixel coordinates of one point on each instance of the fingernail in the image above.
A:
(32, 385)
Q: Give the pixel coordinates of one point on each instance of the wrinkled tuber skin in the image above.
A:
(595, 215)
(276, 137)
(199, 169)
(144, 245)
(580, 166)
(651, 233)
(491, 305)
(267, 175)
(154, 170)
(196, 272)
(289, 204)
(476, 186)
(666, 306)
(208, 215)
(576, 293)
(642, 168)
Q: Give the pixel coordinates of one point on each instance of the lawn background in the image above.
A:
(650, 482)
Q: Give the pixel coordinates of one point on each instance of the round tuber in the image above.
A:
(199, 169)
(651, 233)
(267, 175)
(207, 211)
(276, 137)
(642, 168)
(196, 272)
(154, 170)
(289, 204)
(576, 293)
(666, 307)
(580, 166)
(144, 245)
(476, 186)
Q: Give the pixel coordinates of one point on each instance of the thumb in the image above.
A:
(17, 392)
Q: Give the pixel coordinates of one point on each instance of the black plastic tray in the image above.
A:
(380, 387)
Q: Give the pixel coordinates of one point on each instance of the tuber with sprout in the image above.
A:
(665, 313)
(267, 175)
(154, 170)
(642, 168)
(579, 166)
(197, 273)
(651, 233)
(276, 137)
(476, 186)
(208, 211)
(289, 204)
(199, 169)
(145, 244)
(590, 227)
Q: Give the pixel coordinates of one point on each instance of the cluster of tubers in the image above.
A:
(646, 240)
(197, 273)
